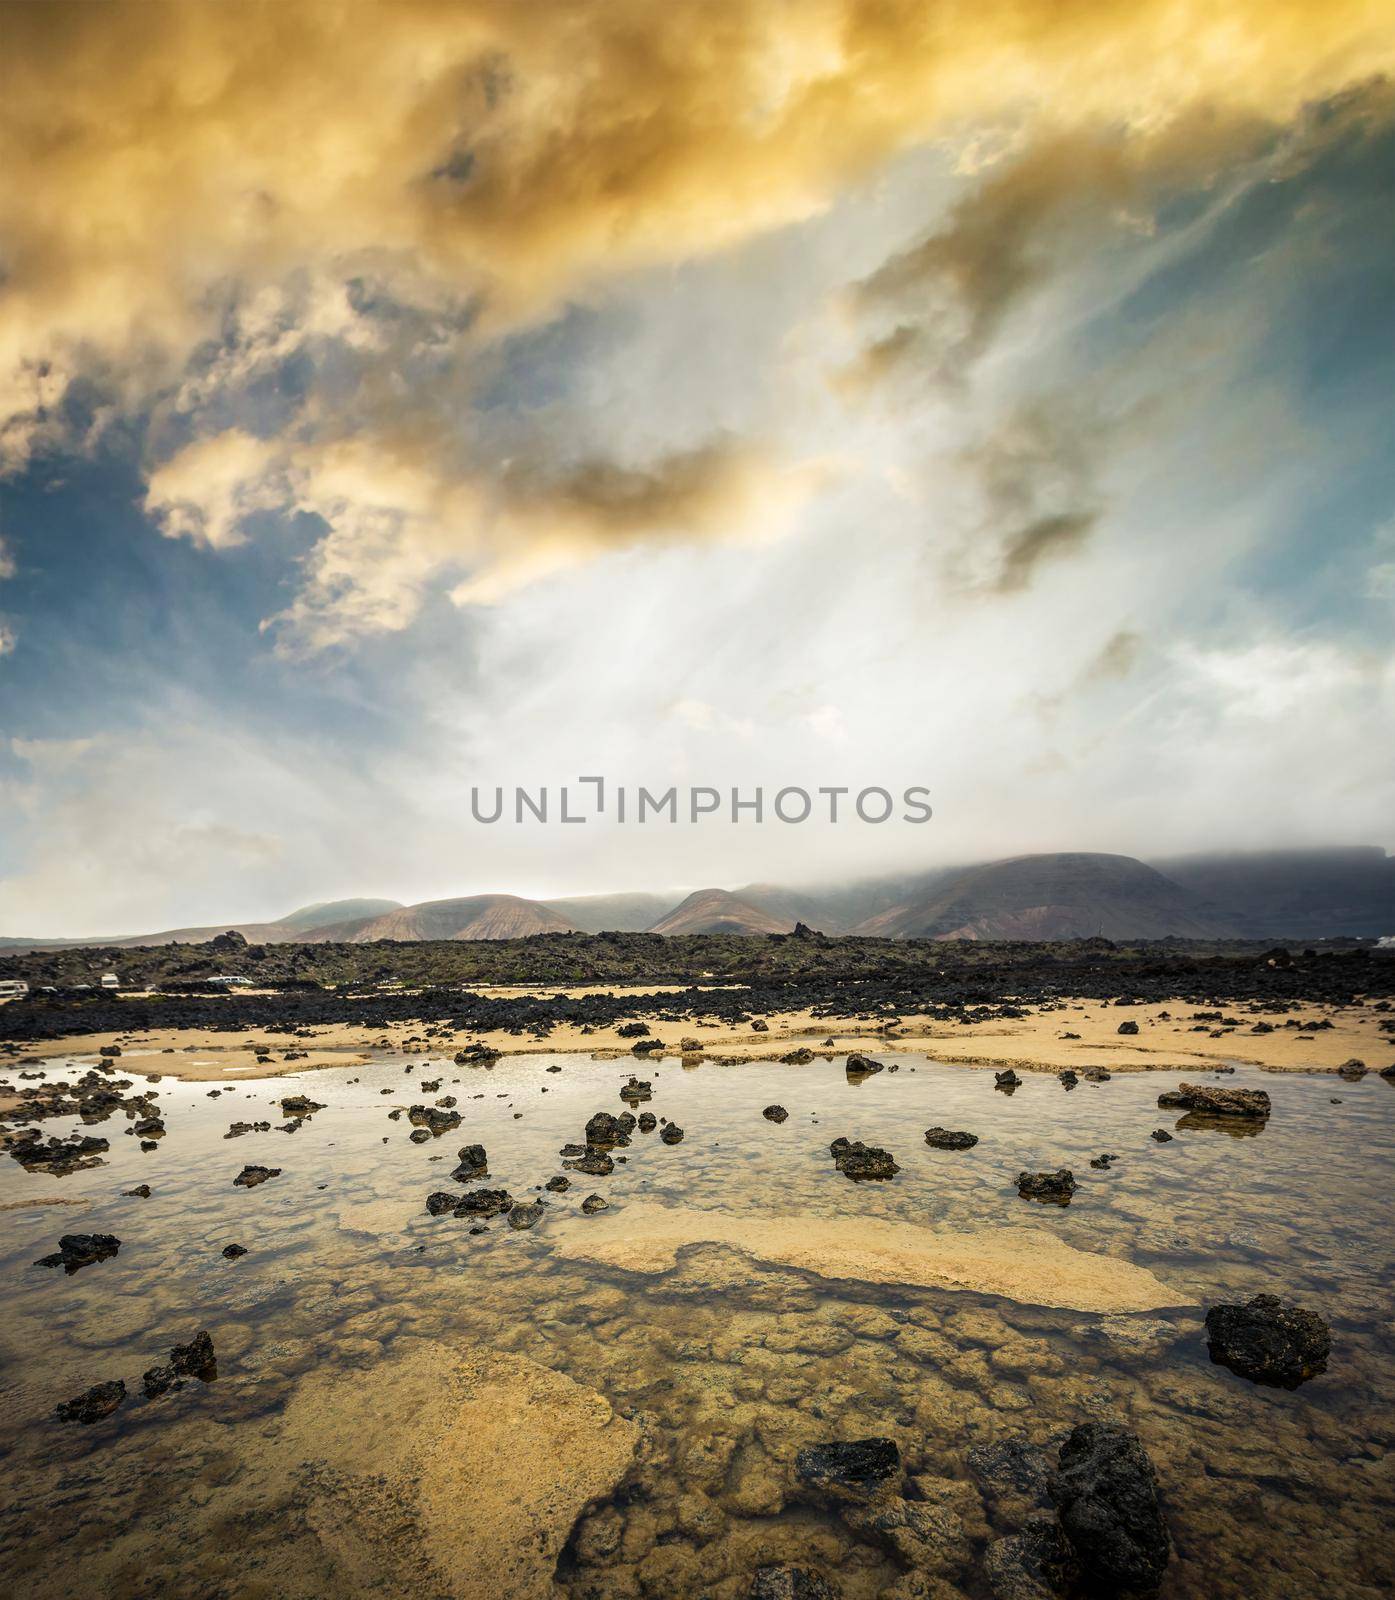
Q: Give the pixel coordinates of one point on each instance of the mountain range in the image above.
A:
(1307, 894)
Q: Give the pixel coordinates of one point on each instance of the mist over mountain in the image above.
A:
(1296, 894)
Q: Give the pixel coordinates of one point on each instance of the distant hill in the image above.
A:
(718, 911)
(480, 916)
(1062, 896)
(612, 913)
(326, 912)
(1295, 894)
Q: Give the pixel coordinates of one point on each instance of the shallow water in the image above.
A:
(255, 1484)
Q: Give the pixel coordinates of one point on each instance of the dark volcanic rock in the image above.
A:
(860, 1161)
(775, 1114)
(433, 1119)
(1161, 1135)
(1056, 1186)
(80, 1250)
(647, 1122)
(947, 1139)
(636, 1091)
(232, 1251)
(439, 1203)
(477, 1055)
(862, 1066)
(789, 1583)
(141, 1191)
(558, 1185)
(855, 1468)
(473, 1163)
(605, 1132)
(1068, 1079)
(1252, 1103)
(196, 1358)
(250, 1177)
(93, 1404)
(800, 1057)
(1268, 1341)
(1006, 1081)
(672, 1134)
(595, 1164)
(57, 1157)
(1032, 1564)
(299, 1105)
(1106, 1495)
(594, 1203)
(1127, 1027)
(484, 1203)
(526, 1214)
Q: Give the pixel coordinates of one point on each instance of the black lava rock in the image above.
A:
(788, 1583)
(250, 1177)
(233, 1251)
(775, 1114)
(855, 1467)
(1268, 1341)
(1056, 1186)
(672, 1134)
(948, 1139)
(861, 1162)
(1106, 1495)
(93, 1404)
(80, 1250)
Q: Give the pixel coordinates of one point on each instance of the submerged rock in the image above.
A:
(948, 1139)
(860, 1161)
(1068, 1079)
(526, 1214)
(93, 1404)
(595, 1164)
(140, 1192)
(57, 1157)
(1034, 1564)
(1056, 1186)
(636, 1091)
(250, 1177)
(1252, 1103)
(1106, 1495)
(80, 1250)
(789, 1583)
(1268, 1342)
(853, 1469)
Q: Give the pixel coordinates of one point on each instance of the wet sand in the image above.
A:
(1169, 1039)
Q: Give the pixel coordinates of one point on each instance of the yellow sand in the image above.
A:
(1031, 1265)
(459, 1472)
(1031, 1043)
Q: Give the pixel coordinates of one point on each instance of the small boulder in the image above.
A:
(250, 1177)
(93, 1404)
(1214, 1102)
(526, 1214)
(1054, 1187)
(1106, 1495)
(775, 1114)
(672, 1134)
(860, 1161)
(1268, 1342)
(950, 1139)
(851, 1469)
(594, 1203)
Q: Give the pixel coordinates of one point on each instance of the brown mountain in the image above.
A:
(612, 913)
(1062, 896)
(718, 911)
(480, 916)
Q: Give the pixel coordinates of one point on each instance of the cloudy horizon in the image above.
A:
(396, 399)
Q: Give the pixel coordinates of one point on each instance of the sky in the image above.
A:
(399, 399)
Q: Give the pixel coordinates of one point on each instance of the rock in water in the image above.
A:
(594, 1203)
(672, 1134)
(1216, 1102)
(473, 1163)
(947, 1139)
(852, 1469)
(1268, 1341)
(1006, 1081)
(863, 1066)
(1106, 1495)
(860, 1161)
(526, 1214)
(788, 1583)
(93, 1404)
(80, 1250)
(250, 1177)
(1056, 1186)
(774, 1114)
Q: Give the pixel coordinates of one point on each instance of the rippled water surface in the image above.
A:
(727, 1364)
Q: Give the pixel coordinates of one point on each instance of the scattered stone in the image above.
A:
(633, 1030)
(605, 1132)
(594, 1203)
(237, 1129)
(799, 1057)
(1103, 1163)
(250, 1177)
(1161, 1135)
(861, 1066)
(1106, 1495)
(647, 1122)
(299, 1105)
(1268, 1342)
(232, 1251)
(595, 1164)
(433, 1119)
(1253, 1103)
(1035, 1564)
(1096, 1074)
(1352, 1069)
(57, 1157)
(849, 1470)
(775, 1114)
(949, 1139)
(419, 1136)
(672, 1134)
(477, 1055)
(1056, 1187)
(759, 1026)
(484, 1203)
(1127, 1027)
(141, 1191)
(558, 1185)
(636, 1091)
(93, 1404)
(526, 1214)
(1007, 1081)
(439, 1203)
(860, 1161)
(80, 1250)
(1068, 1079)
